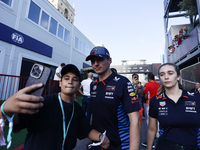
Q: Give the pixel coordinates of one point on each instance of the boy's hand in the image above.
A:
(21, 102)
(106, 143)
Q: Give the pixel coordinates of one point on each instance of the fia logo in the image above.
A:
(17, 38)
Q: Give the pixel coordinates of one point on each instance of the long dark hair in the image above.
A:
(162, 89)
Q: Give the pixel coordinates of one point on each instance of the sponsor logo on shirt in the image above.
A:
(130, 90)
(163, 108)
(191, 94)
(109, 93)
(129, 83)
(163, 111)
(129, 87)
(94, 93)
(94, 81)
(109, 97)
(162, 103)
(94, 87)
(190, 109)
(110, 88)
(159, 96)
(190, 103)
(134, 98)
(134, 101)
(116, 79)
(132, 94)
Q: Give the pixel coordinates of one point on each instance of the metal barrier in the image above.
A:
(190, 75)
(10, 84)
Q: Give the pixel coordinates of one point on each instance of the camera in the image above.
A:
(136, 77)
(38, 74)
(36, 71)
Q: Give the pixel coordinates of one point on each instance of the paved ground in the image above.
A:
(81, 143)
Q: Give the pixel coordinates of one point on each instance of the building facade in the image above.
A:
(35, 31)
(65, 8)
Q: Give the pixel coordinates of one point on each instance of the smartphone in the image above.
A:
(38, 74)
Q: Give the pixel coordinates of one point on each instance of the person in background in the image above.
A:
(57, 75)
(171, 48)
(86, 100)
(176, 40)
(57, 78)
(54, 121)
(138, 89)
(115, 107)
(177, 111)
(185, 32)
(150, 89)
(197, 88)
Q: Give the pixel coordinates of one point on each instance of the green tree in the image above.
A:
(190, 6)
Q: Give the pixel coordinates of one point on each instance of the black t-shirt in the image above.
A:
(45, 129)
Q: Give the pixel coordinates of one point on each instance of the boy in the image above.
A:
(56, 121)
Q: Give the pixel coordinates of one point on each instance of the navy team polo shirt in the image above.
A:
(179, 121)
(111, 100)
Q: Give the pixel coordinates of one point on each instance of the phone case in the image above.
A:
(38, 74)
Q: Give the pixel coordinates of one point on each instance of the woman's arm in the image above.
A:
(151, 132)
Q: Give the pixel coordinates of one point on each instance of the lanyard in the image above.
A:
(65, 131)
(10, 120)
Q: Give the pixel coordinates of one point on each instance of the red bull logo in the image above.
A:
(134, 98)
(159, 96)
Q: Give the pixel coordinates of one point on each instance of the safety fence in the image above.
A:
(10, 84)
(190, 75)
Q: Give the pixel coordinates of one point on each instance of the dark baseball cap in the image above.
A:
(70, 68)
(98, 51)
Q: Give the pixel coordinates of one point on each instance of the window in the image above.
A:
(83, 48)
(66, 36)
(76, 42)
(80, 46)
(44, 20)
(8, 2)
(60, 31)
(53, 26)
(87, 50)
(34, 12)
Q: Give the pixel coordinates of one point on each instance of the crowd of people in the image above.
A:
(178, 38)
(117, 108)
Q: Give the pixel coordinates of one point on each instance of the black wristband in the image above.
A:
(100, 136)
(140, 88)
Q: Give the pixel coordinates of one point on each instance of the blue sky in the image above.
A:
(129, 29)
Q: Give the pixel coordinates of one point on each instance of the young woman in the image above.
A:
(178, 112)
